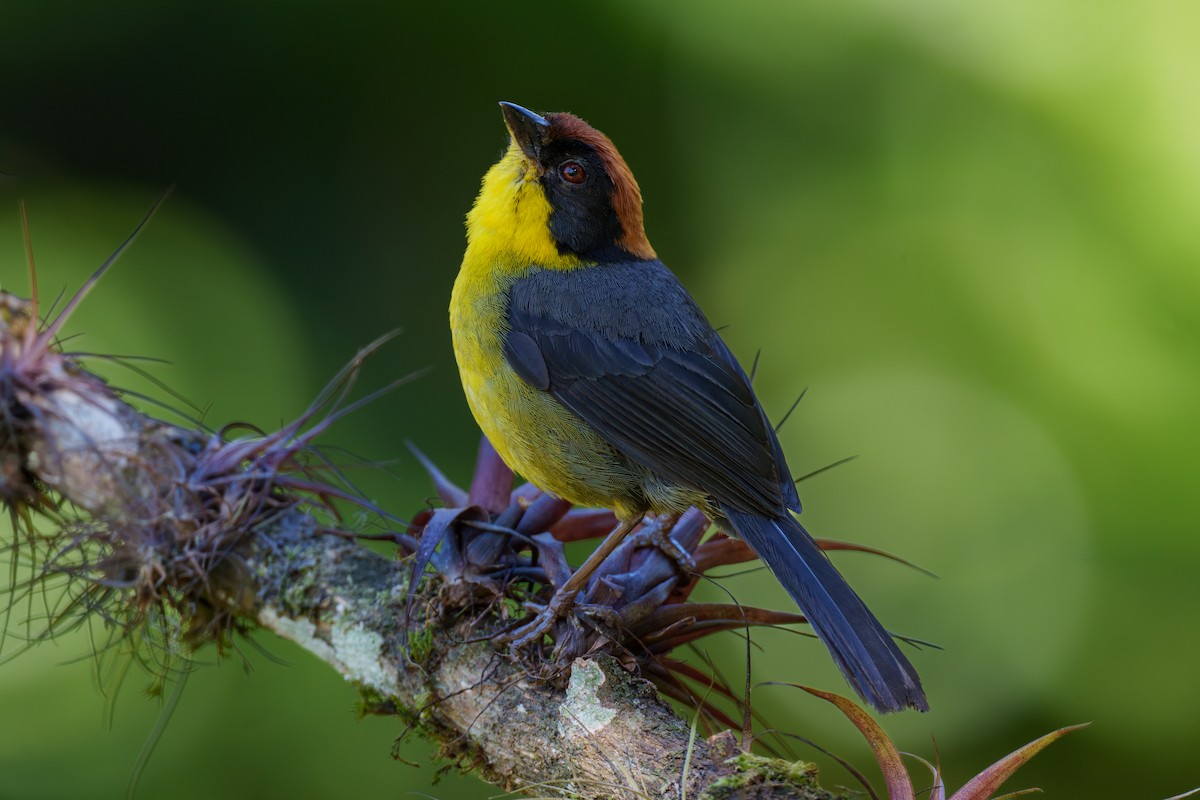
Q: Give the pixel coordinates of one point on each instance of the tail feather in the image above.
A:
(862, 649)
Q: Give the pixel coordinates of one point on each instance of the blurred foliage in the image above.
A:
(970, 229)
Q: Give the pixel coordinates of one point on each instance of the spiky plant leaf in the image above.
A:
(937, 791)
(983, 785)
(899, 785)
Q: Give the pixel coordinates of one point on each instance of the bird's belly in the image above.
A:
(548, 444)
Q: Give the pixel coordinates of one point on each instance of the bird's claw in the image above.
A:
(530, 634)
(658, 534)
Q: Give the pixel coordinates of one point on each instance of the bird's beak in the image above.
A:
(528, 130)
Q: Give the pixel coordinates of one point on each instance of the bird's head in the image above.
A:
(561, 196)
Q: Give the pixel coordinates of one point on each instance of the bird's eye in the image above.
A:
(572, 172)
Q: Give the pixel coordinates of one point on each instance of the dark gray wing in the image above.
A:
(626, 348)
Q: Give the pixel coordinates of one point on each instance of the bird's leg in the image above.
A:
(564, 598)
(658, 534)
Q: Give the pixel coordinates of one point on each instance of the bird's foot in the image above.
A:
(658, 534)
(530, 634)
(569, 640)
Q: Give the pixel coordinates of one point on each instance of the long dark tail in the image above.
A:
(862, 649)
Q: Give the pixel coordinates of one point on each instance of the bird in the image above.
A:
(595, 375)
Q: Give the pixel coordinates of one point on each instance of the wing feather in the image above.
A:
(627, 350)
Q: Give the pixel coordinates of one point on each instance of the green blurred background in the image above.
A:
(971, 229)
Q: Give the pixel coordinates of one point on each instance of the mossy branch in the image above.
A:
(226, 534)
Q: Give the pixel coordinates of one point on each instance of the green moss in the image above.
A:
(777, 774)
(420, 645)
(372, 701)
(422, 702)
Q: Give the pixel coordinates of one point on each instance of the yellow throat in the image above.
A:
(510, 221)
